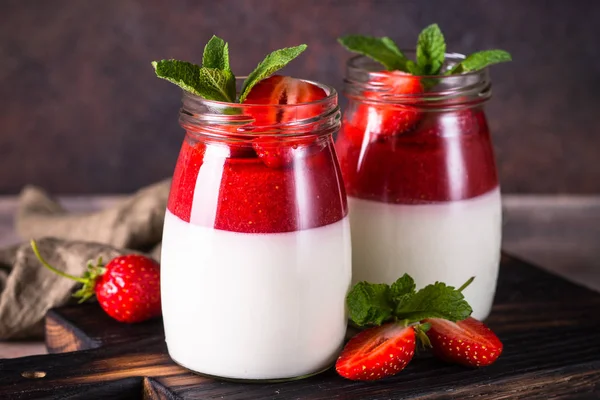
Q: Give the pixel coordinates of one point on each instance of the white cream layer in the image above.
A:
(254, 306)
(447, 242)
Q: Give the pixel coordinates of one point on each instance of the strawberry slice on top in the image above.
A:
(280, 90)
(283, 90)
(387, 119)
(469, 342)
(377, 353)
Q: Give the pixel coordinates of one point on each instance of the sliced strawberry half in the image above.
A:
(377, 353)
(283, 90)
(280, 90)
(469, 342)
(387, 119)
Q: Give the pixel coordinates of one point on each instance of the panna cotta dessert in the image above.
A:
(256, 253)
(254, 273)
(420, 175)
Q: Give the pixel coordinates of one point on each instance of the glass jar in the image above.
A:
(421, 180)
(256, 257)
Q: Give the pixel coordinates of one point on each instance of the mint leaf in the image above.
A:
(369, 303)
(273, 62)
(217, 84)
(480, 60)
(209, 83)
(182, 73)
(405, 285)
(383, 50)
(391, 45)
(434, 301)
(216, 54)
(402, 290)
(413, 68)
(431, 50)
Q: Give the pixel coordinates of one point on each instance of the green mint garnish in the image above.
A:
(434, 301)
(372, 304)
(184, 74)
(216, 54)
(480, 60)
(431, 49)
(214, 79)
(382, 50)
(273, 62)
(404, 286)
(217, 84)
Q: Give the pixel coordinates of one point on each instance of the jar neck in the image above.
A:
(366, 82)
(235, 121)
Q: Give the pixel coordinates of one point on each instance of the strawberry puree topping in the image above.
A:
(445, 157)
(255, 196)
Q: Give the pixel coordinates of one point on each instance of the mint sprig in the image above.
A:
(430, 58)
(273, 62)
(433, 301)
(383, 50)
(214, 80)
(431, 50)
(216, 54)
(479, 60)
(372, 304)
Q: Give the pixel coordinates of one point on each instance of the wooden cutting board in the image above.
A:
(550, 329)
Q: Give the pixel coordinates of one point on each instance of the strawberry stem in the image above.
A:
(467, 283)
(51, 268)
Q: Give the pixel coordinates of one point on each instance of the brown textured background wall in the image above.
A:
(81, 110)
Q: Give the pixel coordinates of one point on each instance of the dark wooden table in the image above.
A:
(550, 329)
(560, 233)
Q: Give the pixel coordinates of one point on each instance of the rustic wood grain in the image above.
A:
(550, 329)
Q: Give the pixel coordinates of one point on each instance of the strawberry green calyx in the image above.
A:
(375, 304)
(89, 279)
(421, 334)
(430, 57)
(214, 80)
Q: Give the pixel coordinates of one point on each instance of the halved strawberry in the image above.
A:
(280, 90)
(469, 342)
(283, 90)
(388, 119)
(377, 352)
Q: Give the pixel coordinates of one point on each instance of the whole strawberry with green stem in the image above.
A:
(407, 79)
(127, 287)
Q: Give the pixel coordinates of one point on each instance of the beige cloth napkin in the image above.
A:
(67, 241)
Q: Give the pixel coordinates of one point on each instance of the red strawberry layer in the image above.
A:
(268, 184)
(446, 156)
(245, 194)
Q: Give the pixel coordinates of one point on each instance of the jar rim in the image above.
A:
(242, 120)
(330, 90)
(450, 60)
(465, 89)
